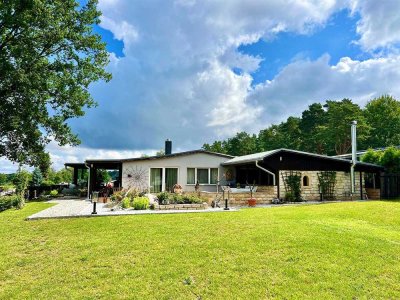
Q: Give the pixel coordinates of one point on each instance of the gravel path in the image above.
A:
(68, 208)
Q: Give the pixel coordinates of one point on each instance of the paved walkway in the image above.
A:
(69, 208)
(72, 208)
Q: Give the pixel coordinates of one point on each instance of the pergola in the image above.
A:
(92, 166)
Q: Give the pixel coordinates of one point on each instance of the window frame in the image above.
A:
(195, 175)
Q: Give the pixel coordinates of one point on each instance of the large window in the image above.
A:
(213, 175)
(202, 175)
(155, 180)
(191, 176)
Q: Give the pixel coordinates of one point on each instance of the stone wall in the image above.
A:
(264, 196)
(311, 192)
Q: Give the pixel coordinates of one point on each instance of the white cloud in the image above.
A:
(380, 23)
(176, 79)
(304, 82)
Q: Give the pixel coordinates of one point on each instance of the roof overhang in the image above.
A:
(263, 156)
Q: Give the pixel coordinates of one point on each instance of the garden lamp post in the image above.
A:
(95, 199)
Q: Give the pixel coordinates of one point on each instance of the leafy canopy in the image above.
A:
(323, 129)
(49, 56)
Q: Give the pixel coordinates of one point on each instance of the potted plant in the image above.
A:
(252, 201)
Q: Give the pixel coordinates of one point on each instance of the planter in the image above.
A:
(252, 202)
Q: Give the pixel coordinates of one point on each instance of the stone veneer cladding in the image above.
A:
(311, 192)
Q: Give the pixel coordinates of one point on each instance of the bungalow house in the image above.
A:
(267, 170)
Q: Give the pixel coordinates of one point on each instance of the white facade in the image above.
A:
(136, 173)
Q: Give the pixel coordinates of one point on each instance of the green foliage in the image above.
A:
(53, 193)
(71, 192)
(56, 177)
(163, 197)
(389, 158)
(126, 202)
(7, 202)
(293, 187)
(21, 181)
(327, 183)
(373, 157)
(37, 177)
(336, 131)
(117, 196)
(103, 176)
(49, 56)
(323, 129)
(172, 198)
(383, 115)
(47, 182)
(3, 179)
(140, 203)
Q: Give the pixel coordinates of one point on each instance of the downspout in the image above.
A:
(353, 155)
(267, 171)
(88, 182)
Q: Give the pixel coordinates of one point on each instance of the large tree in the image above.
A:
(383, 115)
(49, 55)
(310, 125)
(336, 131)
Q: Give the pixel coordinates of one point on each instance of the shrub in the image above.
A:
(133, 193)
(163, 198)
(70, 192)
(191, 199)
(54, 193)
(140, 203)
(167, 198)
(8, 202)
(126, 202)
(47, 183)
(117, 196)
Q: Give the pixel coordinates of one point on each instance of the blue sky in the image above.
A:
(335, 38)
(196, 71)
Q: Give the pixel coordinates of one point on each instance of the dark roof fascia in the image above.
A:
(73, 165)
(177, 154)
(331, 158)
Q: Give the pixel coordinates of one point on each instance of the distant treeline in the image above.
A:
(323, 129)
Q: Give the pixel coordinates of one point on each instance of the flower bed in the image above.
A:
(198, 206)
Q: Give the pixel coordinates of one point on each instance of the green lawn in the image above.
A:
(339, 250)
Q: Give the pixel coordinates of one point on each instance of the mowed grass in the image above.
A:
(339, 250)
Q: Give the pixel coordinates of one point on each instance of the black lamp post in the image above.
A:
(95, 198)
(226, 202)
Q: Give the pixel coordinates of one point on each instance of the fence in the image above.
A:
(390, 186)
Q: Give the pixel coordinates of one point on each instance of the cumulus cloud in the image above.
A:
(304, 82)
(177, 80)
(379, 25)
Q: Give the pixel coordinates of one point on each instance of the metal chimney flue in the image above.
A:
(168, 147)
(353, 154)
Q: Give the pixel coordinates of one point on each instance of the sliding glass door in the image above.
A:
(155, 180)
(171, 178)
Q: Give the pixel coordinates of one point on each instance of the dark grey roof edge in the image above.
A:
(273, 152)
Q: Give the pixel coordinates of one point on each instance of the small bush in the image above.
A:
(117, 196)
(126, 202)
(8, 202)
(133, 194)
(191, 199)
(167, 198)
(69, 192)
(140, 203)
(163, 198)
(54, 193)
